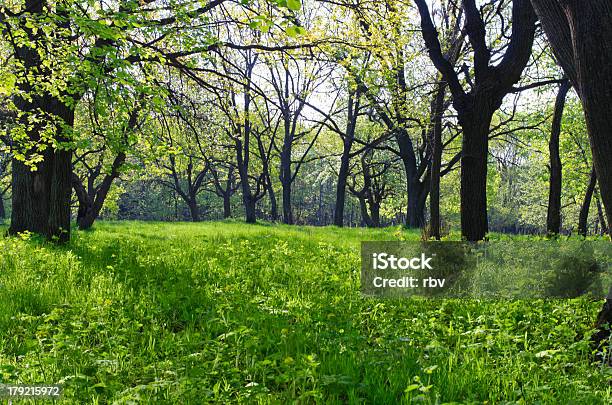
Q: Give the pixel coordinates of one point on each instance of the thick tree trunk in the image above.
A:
(194, 209)
(586, 205)
(579, 33)
(227, 206)
(249, 210)
(41, 198)
(415, 215)
(475, 149)
(553, 218)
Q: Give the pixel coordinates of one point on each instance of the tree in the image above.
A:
(224, 187)
(291, 89)
(105, 140)
(579, 33)
(475, 108)
(249, 137)
(370, 185)
(182, 135)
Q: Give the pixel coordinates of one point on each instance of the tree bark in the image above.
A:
(553, 217)
(250, 212)
(286, 182)
(286, 175)
(475, 147)
(41, 199)
(415, 213)
(227, 206)
(194, 210)
(586, 205)
(2, 210)
(375, 214)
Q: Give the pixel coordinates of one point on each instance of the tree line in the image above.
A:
(240, 97)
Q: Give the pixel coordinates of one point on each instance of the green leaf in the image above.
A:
(294, 5)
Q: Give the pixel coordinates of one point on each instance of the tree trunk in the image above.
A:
(476, 107)
(436, 162)
(349, 136)
(286, 183)
(553, 217)
(285, 163)
(2, 211)
(415, 215)
(227, 205)
(41, 198)
(273, 203)
(363, 208)
(586, 205)
(375, 214)
(341, 187)
(249, 210)
(475, 149)
(194, 209)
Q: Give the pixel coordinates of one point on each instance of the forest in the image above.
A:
(152, 151)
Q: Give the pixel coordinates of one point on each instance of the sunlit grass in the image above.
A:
(227, 312)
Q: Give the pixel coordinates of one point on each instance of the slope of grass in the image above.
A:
(225, 312)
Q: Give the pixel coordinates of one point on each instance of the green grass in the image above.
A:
(225, 312)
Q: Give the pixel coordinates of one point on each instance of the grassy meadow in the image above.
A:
(225, 312)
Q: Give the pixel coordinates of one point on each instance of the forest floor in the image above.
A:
(227, 312)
